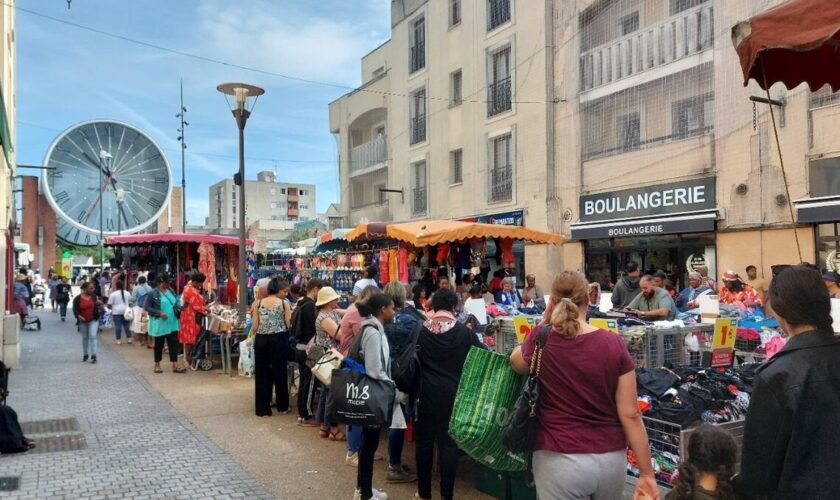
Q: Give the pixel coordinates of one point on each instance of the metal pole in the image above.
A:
(183, 168)
(101, 232)
(119, 219)
(241, 118)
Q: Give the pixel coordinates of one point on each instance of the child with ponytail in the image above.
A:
(707, 473)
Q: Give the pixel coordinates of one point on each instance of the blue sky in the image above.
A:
(67, 75)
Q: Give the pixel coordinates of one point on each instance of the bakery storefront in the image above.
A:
(669, 227)
(822, 210)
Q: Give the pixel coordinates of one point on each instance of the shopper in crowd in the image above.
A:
(193, 311)
(369, 280)
(587, 407)
(593, 291)
(295, 293)
(104, 285)
(163, 324)
(832, 284)
(687, 299)
(627, 287)
(496, 282)
(421, 297)
(118, 303)
(489, 298)
(400, 335)
(661, 280)
(378, 311)
(271, 316)
(707, 280)
(653, 303)
(87, 308)
(326, 335)
(735, 292)
(790, 443)
(509, 296)
(706, 473)
(443, 282)
(303, 328)
(53, 281)
(21, 298)
(261, 287)
(63, 294)
(532, 292)
(139, 325)
(443, 346)
(758, 284)
(475, 296)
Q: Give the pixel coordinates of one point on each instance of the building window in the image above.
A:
(689, 116)
(630, 132)
(501, 169)
(629, 24)
(418, 191)
(304, 207)
(418, 116)
(282, 190)
(456, 162)
(417, 45)
(304, 192)
(274, 205)
(455, 92)
(498, 13)
(678, 6)
(454, 12)
(499, 90)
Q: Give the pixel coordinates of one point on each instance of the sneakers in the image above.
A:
(400, 474)
(308, 423)
(352, 459)
(93, 360)
(119, 342)
(377, 495)
(129, 340)
(85, 358)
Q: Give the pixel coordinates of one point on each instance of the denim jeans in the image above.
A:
(354, 438)
(62, 309)
(90, 337)
(396, 440)
(121, 324)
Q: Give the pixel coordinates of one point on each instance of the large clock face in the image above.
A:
(97, 162)
(74, 235)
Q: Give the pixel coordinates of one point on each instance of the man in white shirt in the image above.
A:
(368, 280)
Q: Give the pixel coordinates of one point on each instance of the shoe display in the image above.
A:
(400, 474)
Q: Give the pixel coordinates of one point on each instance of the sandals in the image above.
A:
(158, 370)
(337, 435)
(324, 433)
(179, 370)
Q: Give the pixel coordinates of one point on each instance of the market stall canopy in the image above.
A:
(150, 239)
(793, 43)
(434, 232)
(335, 234)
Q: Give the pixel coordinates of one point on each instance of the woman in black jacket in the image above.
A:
(443, 347)
(791, 437)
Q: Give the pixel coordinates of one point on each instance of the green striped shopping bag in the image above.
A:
(483, 406)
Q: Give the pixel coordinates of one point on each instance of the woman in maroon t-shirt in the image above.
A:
(587, 406)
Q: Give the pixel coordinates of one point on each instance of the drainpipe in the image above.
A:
(552, 200)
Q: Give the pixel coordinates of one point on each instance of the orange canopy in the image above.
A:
(433, 232)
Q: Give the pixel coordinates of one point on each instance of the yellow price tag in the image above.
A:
(524, 325)
(607, 324)
(724, 337)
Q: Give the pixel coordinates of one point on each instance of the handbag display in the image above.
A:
(520, 432)
(323, 368)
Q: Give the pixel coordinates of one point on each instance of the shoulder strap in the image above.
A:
(122, 294)
(536, 359)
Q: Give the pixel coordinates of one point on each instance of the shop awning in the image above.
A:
(151, 239)
(433, 232)
(335, 234)
(825, 209)
(650, 226)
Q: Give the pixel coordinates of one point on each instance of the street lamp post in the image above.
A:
(104, 166)
(119, 195)
(243, 95)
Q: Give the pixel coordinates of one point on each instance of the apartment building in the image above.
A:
(451, 122)
(663, 158)
(266, 199)
(8, 134)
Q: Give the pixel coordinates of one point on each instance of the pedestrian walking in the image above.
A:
(118, 302)
(271, 316)
(140, 322)
(790, 445)
(587, 410)
(443, 346)
(53, 281)
(192, 310)
(163, 323)
(64, 292)
(87, 309)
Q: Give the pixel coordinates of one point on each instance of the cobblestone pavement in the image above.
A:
(137, 445)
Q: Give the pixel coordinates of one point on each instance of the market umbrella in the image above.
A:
(796, 42)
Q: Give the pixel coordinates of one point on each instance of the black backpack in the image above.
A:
(294, 333)
(405, 368)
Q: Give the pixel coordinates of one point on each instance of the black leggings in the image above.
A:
(271, 369)
(370, 442)
(432, 427)
(172, 341)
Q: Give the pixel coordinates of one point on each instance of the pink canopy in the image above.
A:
(150, 239)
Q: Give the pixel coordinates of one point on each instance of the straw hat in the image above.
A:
(326, 295)
(730, 276)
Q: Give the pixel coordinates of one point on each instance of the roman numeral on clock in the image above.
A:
(136, 219)
(81, 216)
(160, 180)
(154, 203)
(62, 197)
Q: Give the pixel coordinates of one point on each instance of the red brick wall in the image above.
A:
(37, 213)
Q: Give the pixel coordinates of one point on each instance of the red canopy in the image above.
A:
(793, 43)
(150, 239)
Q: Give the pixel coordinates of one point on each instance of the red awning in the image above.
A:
(793, 43)
(151, 239)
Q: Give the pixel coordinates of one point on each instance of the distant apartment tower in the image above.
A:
(265, 199)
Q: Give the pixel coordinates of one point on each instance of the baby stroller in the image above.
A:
(38, 294)
(32, 322)
(200, 352)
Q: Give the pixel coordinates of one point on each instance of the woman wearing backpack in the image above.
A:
(161, 304)
(118, 302)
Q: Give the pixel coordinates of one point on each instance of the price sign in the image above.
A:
(723, 342)
(609, 325)
(524, 325)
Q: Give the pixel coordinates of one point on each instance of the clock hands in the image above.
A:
(98, 198)
(104, 170)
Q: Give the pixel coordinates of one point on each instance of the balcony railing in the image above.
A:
(688, 33)
(498, 13)
(417, 57)
(418, 129)
(368, 154)
(499, 97)
(418, 201)
(501, 183)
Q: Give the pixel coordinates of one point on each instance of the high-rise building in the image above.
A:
(266, 199)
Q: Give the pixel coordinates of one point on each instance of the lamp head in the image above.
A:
(244, 95)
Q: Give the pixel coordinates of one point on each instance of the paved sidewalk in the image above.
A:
(135, 444)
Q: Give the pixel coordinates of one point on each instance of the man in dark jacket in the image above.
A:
(627, 287)
(303, 328)
(443, 347)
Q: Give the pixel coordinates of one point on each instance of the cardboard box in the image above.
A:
(11, 356)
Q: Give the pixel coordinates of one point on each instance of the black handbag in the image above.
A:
(520, 432)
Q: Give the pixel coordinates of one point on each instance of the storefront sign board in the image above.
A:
(664, 199)
(643, 228)
(514, 218)
(524, 325)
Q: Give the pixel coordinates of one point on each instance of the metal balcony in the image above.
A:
(418, 129)
(419, 201)
(501, 183)
(499, 97)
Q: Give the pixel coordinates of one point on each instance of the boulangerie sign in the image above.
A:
(663, 199)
